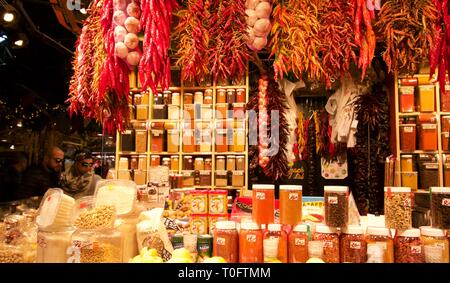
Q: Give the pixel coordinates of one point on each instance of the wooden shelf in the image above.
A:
(403, 114)
(193, 88)
(419, 151)
(231, 86)
(196, 153)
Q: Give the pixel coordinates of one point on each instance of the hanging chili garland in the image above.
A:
(364, 35)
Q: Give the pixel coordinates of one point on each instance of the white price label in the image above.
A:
(260, 196)
(408, 129)
(446, 201)
(299, 242)
(407, 202)
(416, 249)
(356, 245)
(41, 242)
(220, 241)
(293, 196)
(251, 238)
(447, 87)
(332, 200)
(328, 244)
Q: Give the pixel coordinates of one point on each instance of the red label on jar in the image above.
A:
(220, 241)
(356, 245)
(327, 244)
(260, 196)
(416, 249)
(293, 196)
(300, 242)
(333, 200)
(251, 238)
(446, 202)
(407, 202)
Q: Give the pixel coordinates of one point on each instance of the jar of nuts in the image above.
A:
(96, 246)
(397, 207)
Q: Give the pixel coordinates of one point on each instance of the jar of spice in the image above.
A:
(208, 98)
(263, 201)
(199, 163)
(176, 98)
(408, 137)
(298, 244)
(189, 112)
(205, 178)
(231, 96)
(240, 95)
(406, 163)
(188, 141)
(429, 175)
(240, 162)
(330, 239)
(221, 110)
(167, 97)
(435, 245)
(166, 161)
(408, 247)
(221, 140)
(426, 98)
(142, 164)
(134, 163)
(188, 179)
(353, 245)
(397, 207)
(440, 207)
(220, 163)
(155, 160)
(173, 140)
(231, 163)
(157, 140)
(174, 162)
(221, 179)
(407, 99)
(428, 137)
(290, 204)
(239, 110)
(188, 163)
(226, 241)
(336, 206)
(198, 97)
(208, 164)
(221, 96)
(250, 243)
(274, 233)
(188, 98)
(238, 179)
(238, 140)
(380, 246)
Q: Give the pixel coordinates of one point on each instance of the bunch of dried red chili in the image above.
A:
(364, 35)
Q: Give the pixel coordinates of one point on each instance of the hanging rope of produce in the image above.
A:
(193, 36)
(407, 28)
(337, 38)
(295, 41)
(439, 51)
(270, 153)
(156, 20)
(364, 36)
(229, 53)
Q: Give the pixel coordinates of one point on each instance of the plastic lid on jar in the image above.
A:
(301, 228)
(120, 193)
(291, 187)
(335, 188)
(325, 229)
(431, 232)
(55, 209)
(220, 157)
(406, 156)
(264, 187)
(411, 233)
(440, 189)
(353, 230)
(226, 225)
(398, 189)
(379, 231)
(249, 226)
(274, 227)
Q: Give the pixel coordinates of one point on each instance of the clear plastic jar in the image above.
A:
(353, 245)
(435, 245)
(336, 206)
(226, 241)
(96, 246)
(276, 234)
(408, 248)
(440, 207)
(330, 239)
(298, 244)
(397, 207)
(250, 243)
(379, 237)
(290, 204)
(52, 244)
(263, 200)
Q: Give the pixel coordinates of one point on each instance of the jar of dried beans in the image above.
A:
(330, 240)
(226, 241)
(435, 245)
(380, 246)
(298, 244)
(408, 248)
(440, 207)
(336, 206)
(353, 245)
(397, 207)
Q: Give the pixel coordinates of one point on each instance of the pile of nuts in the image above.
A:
(9, 256)
(397, 210)
(105, 253)
(100, 217)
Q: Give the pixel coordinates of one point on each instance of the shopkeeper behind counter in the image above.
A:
(79, 179)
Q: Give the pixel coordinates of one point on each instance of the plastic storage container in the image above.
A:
(96, 246)
(440, 207)
(426, 98)
(250, 243)
(188, 141)
(336, 205)
(406, 99)
(408, 137)
(119, 193)
(52, 244)
(157, 140)
(290, 204)
(428, 137)
(397, 207)
(226, 241)
(55, 210)
(263, 202)
(353, 245)
(435, 245)
(298, 244)
(406, 163)
(330, 239)
(429, 175)
(275, 239)
(218, 201)
(408, 248)
(380, 245)
(141, 141)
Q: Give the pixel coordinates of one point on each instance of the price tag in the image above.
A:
(332, 200)
(416, 249)
(356, 245)
(408, 129)
(260, 196)
(299, 242)
(220, 241)
(251, 238)
(328, 244)
(293, 196)
(446, 202)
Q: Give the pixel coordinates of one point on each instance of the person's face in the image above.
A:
(85, 165)
(55, 161)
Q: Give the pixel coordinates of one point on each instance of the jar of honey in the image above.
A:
(226, 241)
(275, 234)
(380, 246)
(298, 244)
(290, 204)
(250, 243)
(263, 201)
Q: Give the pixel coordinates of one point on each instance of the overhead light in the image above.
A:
(4, 140)
(8, 17)
(19, 124)
(19, 42)
(12, 147)
(83, 11)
